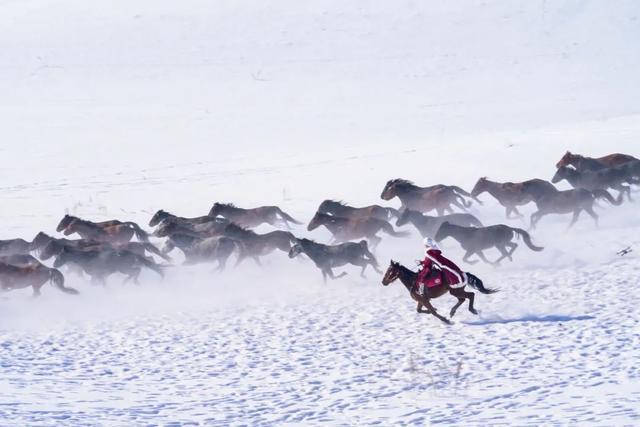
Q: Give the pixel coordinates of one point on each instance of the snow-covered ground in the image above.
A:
(120, 109)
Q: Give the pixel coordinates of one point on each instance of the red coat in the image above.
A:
(449, 271)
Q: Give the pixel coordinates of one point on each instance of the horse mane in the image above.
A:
(226, 205)
(400, 181)
(235, 227)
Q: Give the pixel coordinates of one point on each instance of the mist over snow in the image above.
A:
(117, 109)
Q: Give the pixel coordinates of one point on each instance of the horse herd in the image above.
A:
(105, 248)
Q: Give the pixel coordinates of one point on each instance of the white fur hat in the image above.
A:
(429, 243)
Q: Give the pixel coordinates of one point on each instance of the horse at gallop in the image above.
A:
(408, 279)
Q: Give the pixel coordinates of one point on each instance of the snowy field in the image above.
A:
(120, 109)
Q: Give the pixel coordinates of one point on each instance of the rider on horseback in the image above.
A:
(446, 268)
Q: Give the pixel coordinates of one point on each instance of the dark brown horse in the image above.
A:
(212, 228)
(162, 215)
(99, 264)
(427, 225)
(476, 239)
(345, 229)
(425, 199)
(583, 163)
(14, 247)
(249, 218)
(571, 201)
(513, 194)
(23, 271)
(256, 245)
(408, 279)
(114, 234)
(205, 250)
(68, 220)
(48, 246)
(327, 257)
(602, 179)
(345, 211)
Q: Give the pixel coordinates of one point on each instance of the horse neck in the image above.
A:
(407, 277)
(494, 188)
(312, 249)
(82, 225)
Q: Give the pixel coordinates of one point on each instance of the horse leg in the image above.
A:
(576, 215)
(433, 312)
(333, 276)
(420, 310)
(483, 258)
(517, 212)
(508, 211)
(513, 246)
(466, 259)
(504, 252)
(592, 214)
(471, 297)
(535, 217)
(455, 307)
(36, 291)
(375, 241)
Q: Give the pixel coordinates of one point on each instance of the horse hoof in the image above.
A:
(474, 312)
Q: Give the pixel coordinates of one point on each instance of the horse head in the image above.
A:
(316, 221)
(295, 250)
(392, 273)
(566, 159)
(480, 187)
(561, 173)
(158, 217)
(64, 222)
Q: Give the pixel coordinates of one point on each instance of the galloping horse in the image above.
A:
(327, 257)
(424, 199)
(343, 210)
(22, 271)
(514, 194)
(249, 218)
(408, 279)
(256, 245)
(429, 225)
(101, 263)
(571, 201)
(114, 234)
(601, 179)
(162, 215)
(345, 229)
(583, 163)
(476, 239)
(110, 225)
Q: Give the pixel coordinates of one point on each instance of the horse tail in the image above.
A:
(286, 216)
(142, 235)
(57, 278)
(154, 250)
(460, 192)
(367, 253)
(604, 194)
(151, 265)
(527, 239)
(388, 228)
(476, 283)
(462, 200)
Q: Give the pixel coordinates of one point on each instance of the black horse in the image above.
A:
(327, 257)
